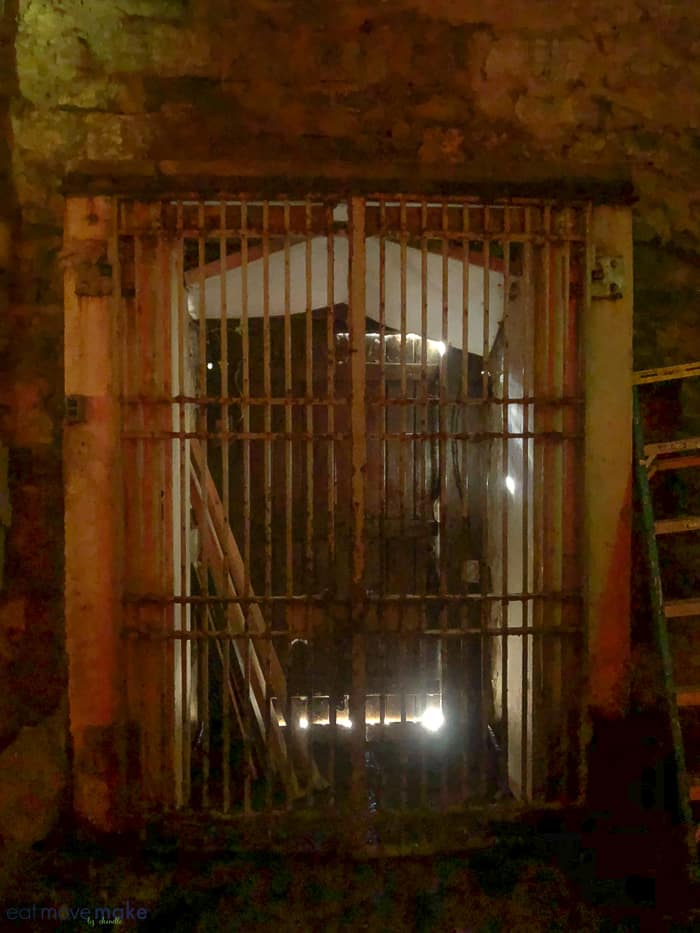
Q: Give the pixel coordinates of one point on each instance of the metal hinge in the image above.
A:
(608, 277)
(75, 409)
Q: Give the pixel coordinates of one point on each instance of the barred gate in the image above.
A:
(352, 454)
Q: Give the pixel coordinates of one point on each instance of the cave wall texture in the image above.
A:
(523, 90)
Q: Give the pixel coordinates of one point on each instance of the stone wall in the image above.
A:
(520, 91)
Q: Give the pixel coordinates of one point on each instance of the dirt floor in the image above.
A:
(616, 864)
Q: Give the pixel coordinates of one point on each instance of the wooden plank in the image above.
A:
(666, 373)
(673, 463)
(671, 447)
(607, 351)
(682, 608)
(668, 526)
(94, 515)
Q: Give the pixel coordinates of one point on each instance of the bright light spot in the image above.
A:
(303, 722)
(432, 719)
(210, 365)
(345, 723)
(510, 485)
(439, 346)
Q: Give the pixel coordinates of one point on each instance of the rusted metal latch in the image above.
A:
(608, 277)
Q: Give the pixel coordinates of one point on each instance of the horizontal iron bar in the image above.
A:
(372, 599)
(221, 635)
(336, 401)
(336, 435)
(427, 233)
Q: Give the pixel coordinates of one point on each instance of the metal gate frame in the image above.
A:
(101, 724)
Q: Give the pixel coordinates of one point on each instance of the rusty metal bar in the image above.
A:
(415, 228)
(384, 555)
(359, 465)
(413, 436)
(331, 468)
(569, 520)
(202, 416)
(438, 633)
(370, 598)
(526, 682)
(485, 571)
(247, 553)
(460, 451)
(402, 444)
(309, 569)
(505, 492)
(486, 325)
(288, 416)
(185, 651)
(224, 648)
(267, 392)
(413, 371)
(264, 659)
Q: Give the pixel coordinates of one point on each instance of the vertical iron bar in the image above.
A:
(309, 393)
(288, 426)
(225, 644)
(384, 510)
(184, 496)
(359, 466)
(443, 516)
(330, 475)
(505, 492)
(247, 589)
(568, 517)
(486, 459)
(403, 430)
(540, 538)
(462, 451)
(422, 449)
(528, 362)
(204, 428)
(310, 569)
(263, 649)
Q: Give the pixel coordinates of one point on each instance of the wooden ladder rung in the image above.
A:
(669, 526)
(694, 789)
(682, 608)
(666, 373)
(672, 447)
(688, 696)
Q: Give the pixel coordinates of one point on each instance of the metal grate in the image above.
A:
(352, 451)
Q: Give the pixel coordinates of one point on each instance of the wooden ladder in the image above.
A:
(651, 459)
(285, 751)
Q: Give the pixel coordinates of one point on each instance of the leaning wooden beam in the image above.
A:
(227, 569)
(211, 547)
(235, 704)
(236, 569)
